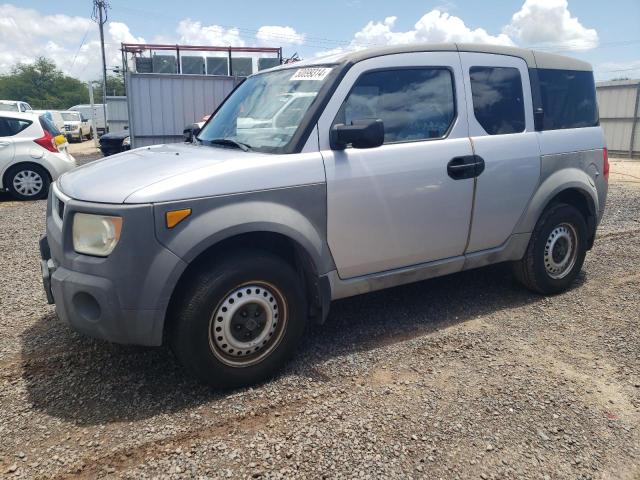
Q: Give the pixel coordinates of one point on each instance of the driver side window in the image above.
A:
(413, 103)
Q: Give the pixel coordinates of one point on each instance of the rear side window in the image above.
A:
(413, 103)
(568, 99)
(48, 125)
(12, 126)
(498, 103)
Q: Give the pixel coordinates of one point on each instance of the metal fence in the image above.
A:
(618, 103)
(161, 105)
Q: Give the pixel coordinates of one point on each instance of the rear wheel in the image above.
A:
(28, 182)
(556, 251)
(238, 321)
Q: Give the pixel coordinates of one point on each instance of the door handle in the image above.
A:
(4, 144)
(467, 166)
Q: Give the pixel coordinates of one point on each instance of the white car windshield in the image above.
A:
(266, 111)
(70, 116)
(9, 107)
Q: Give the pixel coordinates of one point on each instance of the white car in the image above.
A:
(33, 153)
(76, 126)
(14, 106)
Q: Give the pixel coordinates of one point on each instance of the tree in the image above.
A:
(43, 86)
(115, 86)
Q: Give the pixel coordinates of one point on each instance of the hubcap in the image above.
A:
(248, 324)
(560, 251)
(27, 183)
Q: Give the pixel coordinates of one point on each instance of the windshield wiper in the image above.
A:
(231, 143)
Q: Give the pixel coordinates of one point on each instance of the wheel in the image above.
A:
(556, 251)
(28, 182)
(239, 319)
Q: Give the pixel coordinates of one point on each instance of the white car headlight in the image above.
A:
(95, 234)
(126, 142)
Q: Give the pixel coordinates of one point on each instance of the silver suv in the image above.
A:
(326, 179)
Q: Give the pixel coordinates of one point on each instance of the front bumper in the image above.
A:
(121, 298)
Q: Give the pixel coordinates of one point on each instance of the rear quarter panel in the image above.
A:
(570, 158)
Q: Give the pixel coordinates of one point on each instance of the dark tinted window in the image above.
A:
(413, 104)
(568, 99)
(12, 126)
(498, 102)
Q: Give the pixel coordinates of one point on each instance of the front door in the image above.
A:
(397, 205)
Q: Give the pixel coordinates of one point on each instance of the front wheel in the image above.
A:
(239, 319)
(556, 251)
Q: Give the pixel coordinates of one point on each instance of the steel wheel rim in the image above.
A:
(560, 251)
(28, 183)
(240, 340)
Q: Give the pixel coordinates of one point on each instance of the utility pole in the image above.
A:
(100, 16)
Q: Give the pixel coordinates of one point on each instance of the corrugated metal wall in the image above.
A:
(161, 105)
(618, 102)
(117, 113)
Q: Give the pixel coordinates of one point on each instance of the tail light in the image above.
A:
(605, 165)
(48, 142)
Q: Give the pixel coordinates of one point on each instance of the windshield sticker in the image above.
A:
(317, 73)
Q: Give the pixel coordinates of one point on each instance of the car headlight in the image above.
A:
(95, 234)
(126, 142)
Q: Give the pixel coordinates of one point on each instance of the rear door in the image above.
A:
(8, 128)
(502, 133)
(396, 205)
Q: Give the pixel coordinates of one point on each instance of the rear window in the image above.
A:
(48, 125)
(568, 99)
(498, 102)
(12, 126)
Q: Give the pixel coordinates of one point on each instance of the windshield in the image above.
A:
(9, 107)
(70, 116)
(265, 112)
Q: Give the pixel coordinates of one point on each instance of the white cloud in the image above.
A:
(545, 23)
(26, 34)
(270, 35)
(194, 33)
(549, 23)
(434, 26)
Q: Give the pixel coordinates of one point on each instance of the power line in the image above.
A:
(79, 48)
(324, 42)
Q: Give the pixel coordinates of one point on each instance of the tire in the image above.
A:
(556, 251)
(27, 181)
(239, 319)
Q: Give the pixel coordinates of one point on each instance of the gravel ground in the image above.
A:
(467, 376)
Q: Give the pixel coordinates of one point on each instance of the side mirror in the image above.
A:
(362, 133)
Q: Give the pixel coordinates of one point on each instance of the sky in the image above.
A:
(604, 33)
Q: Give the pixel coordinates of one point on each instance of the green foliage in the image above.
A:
(115, 86)
(43, 86)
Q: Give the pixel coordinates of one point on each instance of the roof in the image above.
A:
(533, 58)
(617, 83)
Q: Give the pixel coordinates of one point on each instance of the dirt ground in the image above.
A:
(466, 376)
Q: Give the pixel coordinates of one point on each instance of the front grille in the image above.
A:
(67, 128)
